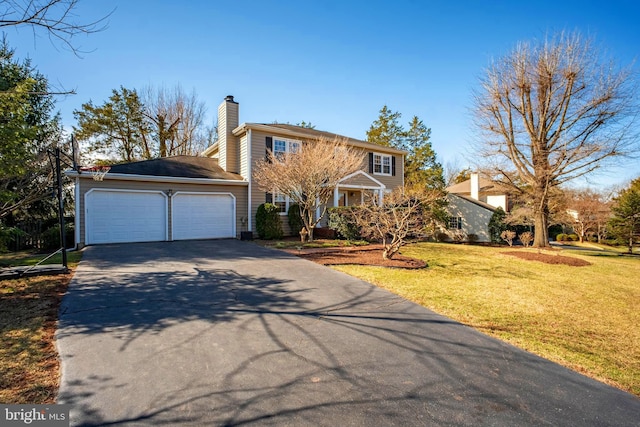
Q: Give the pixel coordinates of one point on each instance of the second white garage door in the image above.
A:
(202, 215)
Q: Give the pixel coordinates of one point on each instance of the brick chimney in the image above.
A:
(475, 186)
(228, 120)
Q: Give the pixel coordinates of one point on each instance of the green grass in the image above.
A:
(29, 369)
(11, 259)
(585, 318)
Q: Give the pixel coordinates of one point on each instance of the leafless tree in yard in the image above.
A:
(309, 176)
(56, 17)
(552, 111)
(401, 214)
(592, 210)
(176, 119)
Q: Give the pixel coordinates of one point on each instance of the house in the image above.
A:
(471, 206)
(212, 196)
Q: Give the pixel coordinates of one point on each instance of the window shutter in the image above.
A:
(459, 223)
(269, 144)
(370, 162)
(268, 198)
(393, 165)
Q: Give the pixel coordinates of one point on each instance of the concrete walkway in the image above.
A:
(229, 333)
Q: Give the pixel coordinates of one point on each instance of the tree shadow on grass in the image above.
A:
(310, 346)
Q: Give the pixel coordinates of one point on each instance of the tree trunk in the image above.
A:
(541, 222)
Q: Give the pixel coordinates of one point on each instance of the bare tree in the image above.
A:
(177, 120)
(56, 17)
(399, 215)
(309, 176)
(590, 211)
(552, 111)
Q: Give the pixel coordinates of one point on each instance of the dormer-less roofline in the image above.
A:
(311, 134)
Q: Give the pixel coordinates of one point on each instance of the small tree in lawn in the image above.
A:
(398, 216)
(309, 176)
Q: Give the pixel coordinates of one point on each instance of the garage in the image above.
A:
(199, 215)
(117, 216)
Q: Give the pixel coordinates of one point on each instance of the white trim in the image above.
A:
(361, 172)
(153, 178)
(249, 178)
(120, 190)
(76, 220)
(208, 193)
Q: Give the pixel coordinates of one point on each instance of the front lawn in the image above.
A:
(585, 318)
(29, 368)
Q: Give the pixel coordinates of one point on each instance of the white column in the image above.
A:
(336, 196)
(380, 196)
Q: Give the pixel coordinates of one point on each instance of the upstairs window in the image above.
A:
(281, 146)
(381, 164)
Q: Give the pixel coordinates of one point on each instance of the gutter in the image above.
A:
(154, 178)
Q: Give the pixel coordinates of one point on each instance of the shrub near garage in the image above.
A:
(268, 223)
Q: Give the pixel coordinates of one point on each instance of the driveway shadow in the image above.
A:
(263, 338)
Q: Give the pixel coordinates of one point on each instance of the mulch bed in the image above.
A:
(549, 259)
(371, 255)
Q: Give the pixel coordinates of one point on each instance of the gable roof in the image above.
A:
(464, 187)
(474, 201)
(176, 166)
(302, 132)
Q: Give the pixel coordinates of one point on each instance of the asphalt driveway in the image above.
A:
(229, 333)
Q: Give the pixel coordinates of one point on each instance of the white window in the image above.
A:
(282, 146)
(455, 223)
(381, 164)
(282, 202)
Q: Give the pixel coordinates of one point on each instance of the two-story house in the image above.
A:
(213, 195)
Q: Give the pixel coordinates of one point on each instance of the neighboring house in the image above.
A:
(471, 205)
(213, 196)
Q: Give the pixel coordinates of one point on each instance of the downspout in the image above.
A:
(76, 220)
(250, 177)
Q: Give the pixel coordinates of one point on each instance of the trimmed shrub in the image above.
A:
(342, 221)
(561, 237)
(295, 220)
(472, 238)
(573, 237)
(268, 223)
(508, 236)
(526, 238)
(497, 225)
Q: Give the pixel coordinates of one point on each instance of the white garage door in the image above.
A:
(202, 215)
(117, 216)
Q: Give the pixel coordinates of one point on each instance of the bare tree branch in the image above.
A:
(56, 17)
(551, 112)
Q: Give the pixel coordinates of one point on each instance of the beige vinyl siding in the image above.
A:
(228, 144)
(244, 156)
(86, 184)
(258, 150)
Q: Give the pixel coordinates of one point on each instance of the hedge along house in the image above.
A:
(213, 195)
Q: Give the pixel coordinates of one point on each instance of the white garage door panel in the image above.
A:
(126, 216)
(202, 216)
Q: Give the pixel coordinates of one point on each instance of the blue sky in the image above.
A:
(333, 63)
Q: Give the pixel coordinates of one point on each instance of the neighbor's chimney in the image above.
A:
(228, 120)
(475, 186)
